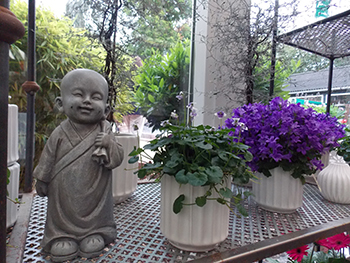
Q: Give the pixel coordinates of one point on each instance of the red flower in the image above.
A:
(324, 243)
(339, 241)
(298, 253)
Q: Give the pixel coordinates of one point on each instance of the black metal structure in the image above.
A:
(11, 29)
(30, 87)
(329, 38)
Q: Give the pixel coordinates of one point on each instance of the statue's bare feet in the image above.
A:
(92, 246)
(63, 249)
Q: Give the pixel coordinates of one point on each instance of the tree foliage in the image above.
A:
(160, 79)
(141, 25)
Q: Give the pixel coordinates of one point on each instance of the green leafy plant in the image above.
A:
(199, 156)
(160, 79)
(344, 146)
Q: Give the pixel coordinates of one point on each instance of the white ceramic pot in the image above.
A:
(334, 181)
(195, 228)
(12, 188)
(12, 139)
(124, 181)
(278, 193)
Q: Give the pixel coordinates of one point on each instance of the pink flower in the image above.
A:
(339, 241)
(324, 243)
(298, 253)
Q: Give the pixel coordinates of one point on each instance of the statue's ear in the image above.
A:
(107, 110)
(59, 104)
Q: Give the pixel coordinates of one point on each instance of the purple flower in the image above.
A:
(190, 105)
(282, 133)
(179, 96)
(220, 114)
(174, 115)
(193, 112)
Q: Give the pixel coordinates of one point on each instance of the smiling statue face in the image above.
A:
(84, 96)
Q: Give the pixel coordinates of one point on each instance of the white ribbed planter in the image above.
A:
(12, 188)
(123, 179)
(12, 139)
(334, 181)
(278, 193)
(195, 228)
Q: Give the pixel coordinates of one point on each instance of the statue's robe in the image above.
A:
(80, 201)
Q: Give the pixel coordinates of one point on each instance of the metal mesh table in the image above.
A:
(140, 239)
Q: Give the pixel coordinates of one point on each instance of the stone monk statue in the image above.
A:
(74, 171)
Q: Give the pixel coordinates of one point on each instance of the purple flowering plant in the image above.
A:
(199, 156)
(286, 135)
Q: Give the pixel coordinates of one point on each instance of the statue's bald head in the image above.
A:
(84, 95)
(84, 78)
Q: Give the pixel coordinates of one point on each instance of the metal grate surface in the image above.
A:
(328, 37)
(140, 240)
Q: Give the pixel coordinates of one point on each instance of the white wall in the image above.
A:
(219, 57)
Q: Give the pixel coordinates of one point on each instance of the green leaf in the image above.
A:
(171, 164)
(161, 83)
(246, 194)
(338, 260)
(248, 156)
(8, 175)
(136, 151)
(226, 192)
(180, 177)
(151, 166)
(151, 98)
(201, 201)
(197, 179)
(242, 210)
(141, 173)
(221, 201)
(178, 204)
(133, 159)
(204, 145)
(215, 174)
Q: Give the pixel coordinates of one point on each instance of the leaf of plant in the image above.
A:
(181, 177)
(134, 159)
(136, 151)
(8, 176)
(178, 205)
(248, 156)
(246, 194)
(223, 156)
(197, 179)
(201, 201)
(151, 98)
(141, 173)
(221, 201)
(215, 174)
(242, 210)
(171, 164)
(338, 260)
(226, 192)
(203, 145)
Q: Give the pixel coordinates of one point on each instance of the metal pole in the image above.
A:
(191, 77)
(4, 75)
(273, 50)
(11, 30)
(330, 80)
(30, 87)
